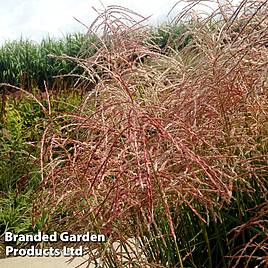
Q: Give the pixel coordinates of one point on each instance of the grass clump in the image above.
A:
(170, 148)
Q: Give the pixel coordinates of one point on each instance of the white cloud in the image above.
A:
(37, 18)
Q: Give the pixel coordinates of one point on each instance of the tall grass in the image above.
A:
(27, 64)
(171, 148)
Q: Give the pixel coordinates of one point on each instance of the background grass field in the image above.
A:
(157, 134)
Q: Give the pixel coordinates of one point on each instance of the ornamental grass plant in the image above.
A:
(169, 150)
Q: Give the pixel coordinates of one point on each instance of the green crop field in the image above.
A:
(158, 134)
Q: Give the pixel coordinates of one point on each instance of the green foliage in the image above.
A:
(67, 102)
(28, 64)
(15, 212)
(15, 154)
(172, 36)
(18, 168)
(200, 244)
(19, 159)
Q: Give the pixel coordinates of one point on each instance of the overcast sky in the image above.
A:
(35, 19)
